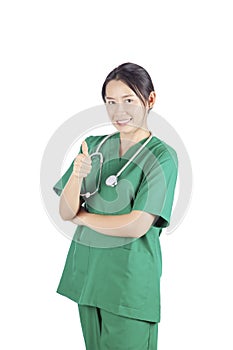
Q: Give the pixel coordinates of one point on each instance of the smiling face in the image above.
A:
(125, 109)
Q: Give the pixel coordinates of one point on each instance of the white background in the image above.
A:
(54, 58)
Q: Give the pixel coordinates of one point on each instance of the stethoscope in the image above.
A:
(112, 179)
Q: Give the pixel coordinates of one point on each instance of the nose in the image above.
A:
(119, 109)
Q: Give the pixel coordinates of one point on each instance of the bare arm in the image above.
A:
(69, 204)
(135, 224)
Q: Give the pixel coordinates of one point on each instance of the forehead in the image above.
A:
(117, 88)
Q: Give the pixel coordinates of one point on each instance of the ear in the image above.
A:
(151, 99)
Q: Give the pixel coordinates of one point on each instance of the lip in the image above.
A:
(123, 121)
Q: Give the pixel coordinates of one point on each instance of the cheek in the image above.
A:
(110, 110)
(136, 111)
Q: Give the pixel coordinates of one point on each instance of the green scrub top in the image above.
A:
(121, 274)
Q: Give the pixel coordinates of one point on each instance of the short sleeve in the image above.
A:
(155, 194)
(60, 184)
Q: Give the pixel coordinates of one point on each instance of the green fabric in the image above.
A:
(103, 330)
(120, 274)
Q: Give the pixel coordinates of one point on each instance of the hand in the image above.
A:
(82, 164)
(79, 219)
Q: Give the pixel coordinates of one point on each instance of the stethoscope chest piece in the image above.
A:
(111, 181)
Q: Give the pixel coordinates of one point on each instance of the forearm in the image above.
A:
(125, 225)
(69, 201)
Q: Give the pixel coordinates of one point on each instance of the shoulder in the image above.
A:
(94, 140)
(162, 151)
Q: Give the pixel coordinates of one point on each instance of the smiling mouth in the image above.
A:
(123, 121)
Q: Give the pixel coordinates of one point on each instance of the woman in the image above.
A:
(113, 266)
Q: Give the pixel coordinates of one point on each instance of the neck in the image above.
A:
(136, 136)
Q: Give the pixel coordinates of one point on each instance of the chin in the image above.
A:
(125, 129)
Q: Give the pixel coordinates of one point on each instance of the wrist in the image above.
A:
(77, 176)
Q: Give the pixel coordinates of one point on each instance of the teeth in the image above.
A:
(123, 121)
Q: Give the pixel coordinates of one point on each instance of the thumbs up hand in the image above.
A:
(85, 148)
(82, 164)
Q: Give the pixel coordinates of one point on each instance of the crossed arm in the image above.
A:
(135, 224)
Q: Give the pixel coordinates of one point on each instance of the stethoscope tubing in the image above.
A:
(112, 178)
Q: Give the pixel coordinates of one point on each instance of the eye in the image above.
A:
(111, 102)
(128, 100)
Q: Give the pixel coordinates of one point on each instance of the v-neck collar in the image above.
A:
(130, 148)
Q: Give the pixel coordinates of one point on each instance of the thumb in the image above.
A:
(85, 148)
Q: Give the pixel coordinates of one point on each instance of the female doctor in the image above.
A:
(120, 206)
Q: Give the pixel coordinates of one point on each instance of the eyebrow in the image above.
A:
(124, 96)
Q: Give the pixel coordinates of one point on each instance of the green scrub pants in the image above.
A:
(103, 330)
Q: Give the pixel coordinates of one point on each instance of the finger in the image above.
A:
(79, 158)
(85, 148)
(87, 161)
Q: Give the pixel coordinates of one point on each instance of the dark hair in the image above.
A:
(133, 75)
